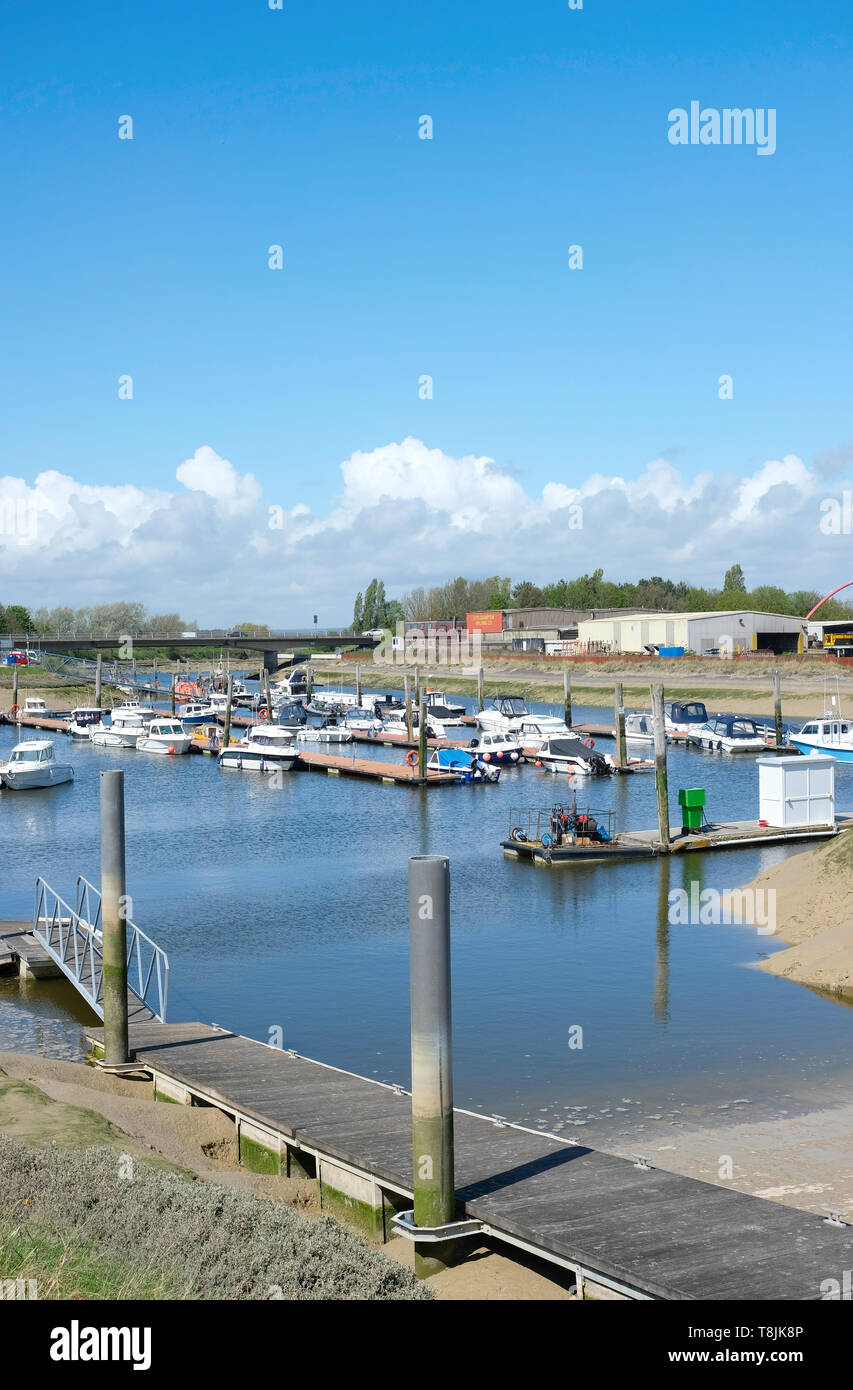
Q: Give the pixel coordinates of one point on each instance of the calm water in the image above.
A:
(286, 906)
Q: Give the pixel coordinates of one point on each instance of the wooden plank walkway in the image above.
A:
(338, 766)
(654, 1232)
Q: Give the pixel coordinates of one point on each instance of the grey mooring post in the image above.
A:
(407, 687)
(777, 706)
(309, 684)
(567, 699)
(658, 718)
(432, 1056)
(98, 665)
(172, 692)
(480, 700)
(422, 739)
(267, 692)
(358, 684)
(619, 715)
(226, 736)
(14, 686)
(155, 677)
(113, 919)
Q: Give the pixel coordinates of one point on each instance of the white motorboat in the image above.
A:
(639, 727)
(125, 734)
(571, 755)
(164, 736)
(394, 722)
(332, 701)
(264, 748)
(509, 713)
(831, 735)
(34, 707)
(132, 709)
(504, 747)
(684, 717)
(535, 731)
(362, 720)
(729, 733)
(82, 721)
(327, 732)
(444, 710)
(33, 764)
(217, 703)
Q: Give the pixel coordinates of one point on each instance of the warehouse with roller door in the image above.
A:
(730, 633)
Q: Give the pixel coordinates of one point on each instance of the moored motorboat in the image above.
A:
(164, 736)
(264, 748)
(684, 716)
(498, 746)
(34, 707)
(831, 735)
(538, 729)
(82, 721)
(728, 733)
(570, 755)
(465, 763)
(33, 764)
(444, 710)
(639, 727)
(194, 712)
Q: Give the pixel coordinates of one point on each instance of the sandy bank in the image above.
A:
(813, 913)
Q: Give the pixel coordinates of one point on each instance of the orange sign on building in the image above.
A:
(485, 622)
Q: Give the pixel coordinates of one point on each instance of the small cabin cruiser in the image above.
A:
(537, 730)
(444, 710)
(498, 745)
(362, 720)
(217, 703)
(83, 718)
(132, 717)
(164, 736)
(831, 735)
(290, 716)
(729, 733)
(639, 728)
(264, 748)
(464, 763)
(332, 701)
(34, 707)
(33, 764)
(326, 732)
(505, 712)
(684, 717)
(394, 722)
(296, 683)
(571, 755)
(194, 712)
(124, 736)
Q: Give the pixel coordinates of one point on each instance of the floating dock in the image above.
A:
(648, 1233)
(646, 844)
(391, 773)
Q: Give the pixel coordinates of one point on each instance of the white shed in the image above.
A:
(797, 791)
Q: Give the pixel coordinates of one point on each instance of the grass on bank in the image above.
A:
(93, 1223)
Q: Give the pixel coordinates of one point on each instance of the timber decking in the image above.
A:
(656, 1232)
(379, 772)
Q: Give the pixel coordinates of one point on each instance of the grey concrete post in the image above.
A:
(358, 684)
(113, 918)
(432, 1055)
(98, 665)
(422, 738)
(407, 687)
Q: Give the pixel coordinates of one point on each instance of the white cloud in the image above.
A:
(220, 551)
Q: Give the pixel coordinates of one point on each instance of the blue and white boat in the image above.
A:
(831, 735)
(465, 763)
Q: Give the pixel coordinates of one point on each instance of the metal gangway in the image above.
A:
(72, 938)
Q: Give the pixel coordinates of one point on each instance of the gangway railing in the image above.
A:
(72, 938)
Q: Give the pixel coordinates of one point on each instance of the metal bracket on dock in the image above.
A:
(640, 1161)
(499, 1121)
(291, 1052)
(404, 1224)
(835, 1218)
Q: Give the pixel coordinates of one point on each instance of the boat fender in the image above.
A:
(487, 757)
(589, 743)
(412, 758)
(171, 750)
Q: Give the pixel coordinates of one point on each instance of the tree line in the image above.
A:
(101, 620)
(589, 591)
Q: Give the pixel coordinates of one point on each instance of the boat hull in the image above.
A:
(841, 755)
(253, 760)
(21, 781)
(114, 738)
(177, 743)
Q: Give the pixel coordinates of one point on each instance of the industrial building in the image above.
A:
(729, 633)
(534, 629)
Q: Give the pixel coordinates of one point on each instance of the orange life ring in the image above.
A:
(14, 711)
(263, 712)
(589, 743)
(411, 758)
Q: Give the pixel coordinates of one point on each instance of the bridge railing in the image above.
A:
(197, 636)
(72, 938)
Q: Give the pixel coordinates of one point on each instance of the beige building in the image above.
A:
(706, 634)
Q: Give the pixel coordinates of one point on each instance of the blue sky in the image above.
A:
(406, 257)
